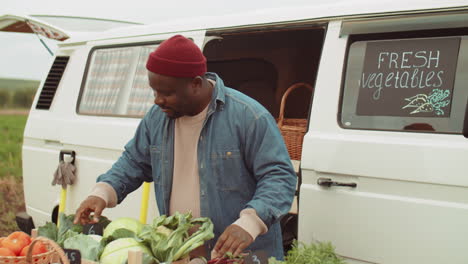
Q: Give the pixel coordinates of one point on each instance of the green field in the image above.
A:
(11, 186)
(17, 84)
(17, 93)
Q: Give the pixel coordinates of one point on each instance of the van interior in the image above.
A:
(264, 64)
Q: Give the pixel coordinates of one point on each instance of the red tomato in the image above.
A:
(16, 241)
(39, 248)
(1, 239)
(5, 252)
(20, 234)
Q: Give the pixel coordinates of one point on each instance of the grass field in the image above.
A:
(15, 84)
(11, 182)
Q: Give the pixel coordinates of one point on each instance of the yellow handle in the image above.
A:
(144, 202)
(63, 200)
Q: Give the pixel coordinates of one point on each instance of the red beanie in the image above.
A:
(177, 57)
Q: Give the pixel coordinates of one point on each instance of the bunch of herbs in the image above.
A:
(314, 253)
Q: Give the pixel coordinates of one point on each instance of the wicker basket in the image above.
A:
(292, 129)
(53, 255)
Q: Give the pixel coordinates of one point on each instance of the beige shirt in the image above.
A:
(185, 195)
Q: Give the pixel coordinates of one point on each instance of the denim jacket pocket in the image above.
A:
(227, 166)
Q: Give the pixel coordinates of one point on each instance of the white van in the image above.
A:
(384, 164)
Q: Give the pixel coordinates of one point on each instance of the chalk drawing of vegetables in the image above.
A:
(424, 103)
(416, 101)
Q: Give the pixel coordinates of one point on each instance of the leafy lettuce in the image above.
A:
(169, 238)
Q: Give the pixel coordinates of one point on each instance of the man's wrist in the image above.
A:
(106, 192)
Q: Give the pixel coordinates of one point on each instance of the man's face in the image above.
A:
(172, 94)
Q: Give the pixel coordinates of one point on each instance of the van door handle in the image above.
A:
(327, 182)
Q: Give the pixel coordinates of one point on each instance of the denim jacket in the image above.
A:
(242, 162)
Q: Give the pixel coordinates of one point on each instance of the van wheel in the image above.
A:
(55, 215)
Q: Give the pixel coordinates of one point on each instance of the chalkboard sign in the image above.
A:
(93, 229)
(409, 78)
(73, 255)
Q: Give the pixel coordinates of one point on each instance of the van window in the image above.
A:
(406, 84)
(116, 82)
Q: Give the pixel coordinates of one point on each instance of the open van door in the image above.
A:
(26, 24)
(58, 28)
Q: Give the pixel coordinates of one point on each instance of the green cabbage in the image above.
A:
(88, 245)
(98, 238)
(127, 223)
(117, 251)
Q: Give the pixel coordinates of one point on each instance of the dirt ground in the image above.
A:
(11, 202)
(11, 189)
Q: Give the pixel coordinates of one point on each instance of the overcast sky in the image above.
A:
(23, 56)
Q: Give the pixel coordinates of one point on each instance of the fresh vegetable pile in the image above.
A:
(315, 253)
(17, 244)
(167, 239)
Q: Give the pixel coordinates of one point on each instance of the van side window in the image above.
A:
(406, 84)
(116, 82)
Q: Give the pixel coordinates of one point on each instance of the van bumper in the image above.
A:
(25, 222)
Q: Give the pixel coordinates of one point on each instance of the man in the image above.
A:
(208, 149)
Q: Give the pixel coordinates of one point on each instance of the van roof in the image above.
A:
(325, 10)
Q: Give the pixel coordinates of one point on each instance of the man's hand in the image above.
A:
(91, 204)
(234, 239)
